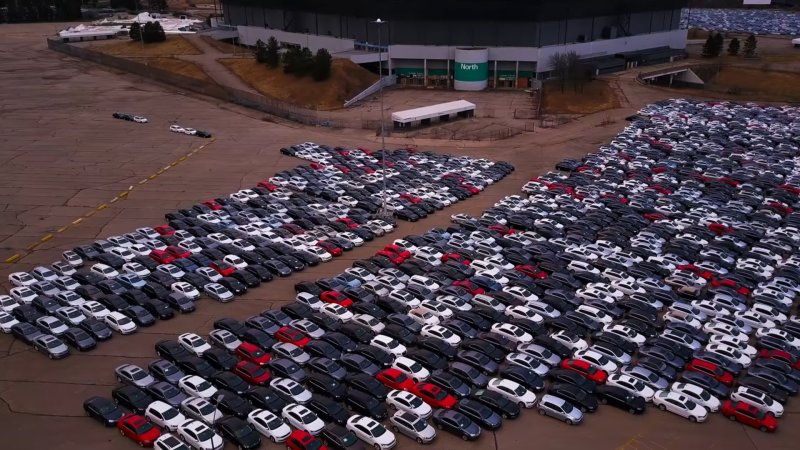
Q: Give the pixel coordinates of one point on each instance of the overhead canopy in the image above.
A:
(432, 111)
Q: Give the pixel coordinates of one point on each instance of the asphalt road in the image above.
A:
(62, 155)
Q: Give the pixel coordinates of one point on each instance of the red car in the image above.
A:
(393, 257)
(294, 229)
(316, 166)
(720, 228)
(781, 208)
(178, 252)
(251, 352)
(165, 230)
(433, 395)
(223, 268)
(138, 429)
(455, 257)
(394, 379)
(502, 229)
(336, 297)
(714, 371)
(472, 189)
(749, 415)
(410, 198)
(655, 216)
(331, 248)
(531, 271)
(399, 250)
(292, 336)
(699, 271)
(267, 185)
(469, 286)
(347, 221)
(781, 355)
(342, 168)
(252, 373)
(303, 440)
(660, 189)
(585, 369)
(717, 282)
(213, 205)
(162, 256)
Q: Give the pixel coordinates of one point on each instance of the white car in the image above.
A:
(388, 344)
(196, 386)
(594, 313)
(513, 391)
(291, 389)
(528, 362)
(411, 368)
(598, 359)
(681, 405)
(177, 129)
(779, 334)
(758, 399)
(171, 270)
(572, 342)
(21, 279)
(302, 418)
(371, 432)
(740, 345)
(7, 321)
(164, 415)
(186, 289)
(423, 316)
(370, 322)
(406, 401)
(136, 269)
(119, 322)
(269, 425)
(524, 312)
(625, 332)
(199, 436)
(310, 300)
(441, 333)
(714, 327)
(697, 394)
(512, 332)
(729, 353)
(413, 426)
(337, 312)
(22, 294)
(224, 339)
(168, 441)
(755, 319)
(436, 308)
(193, 343)
(94, 309)
(290, 351)
(201, 409)
(632, 385)
(308, 328)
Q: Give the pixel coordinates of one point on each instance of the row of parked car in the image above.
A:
(219, 248)
(757, 21)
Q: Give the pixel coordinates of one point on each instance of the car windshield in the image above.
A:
(463, 422)
(204, 385)
(108, 408)
(419, 425)
(205, 435)
(144, 427)
(440, 395)
(124, 321)
(138, 374)
(170, 413)
(690, 405)
(274, 424)
(378, 431)
(308, 418)
(206, 409)
(567, 407)
(53, 344)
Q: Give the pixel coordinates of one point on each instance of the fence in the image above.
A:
(225, 93)
(375, 87)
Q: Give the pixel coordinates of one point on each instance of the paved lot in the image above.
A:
(61, 155)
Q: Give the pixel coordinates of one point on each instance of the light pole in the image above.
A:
(383, 211)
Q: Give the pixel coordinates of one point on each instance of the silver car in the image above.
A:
(134, 375)
(413, 426)
(647, 376)
(560, 409)
(51, 346)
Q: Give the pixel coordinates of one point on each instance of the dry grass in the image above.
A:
(596, 96)
(756, 84)
(224, 47)
(174, 45)
(347, 79)
(179, 66)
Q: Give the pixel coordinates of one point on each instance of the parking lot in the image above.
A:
(63, 155)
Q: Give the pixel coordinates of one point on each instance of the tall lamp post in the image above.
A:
(383, 211)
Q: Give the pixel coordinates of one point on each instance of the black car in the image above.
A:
(469, 373)
(499, 403)
(261, 323)
(438, 346)
(326, 385)
(103, 410)
(195, 365)
(456, 423)
(234, 326)
(570, 377)
(337, 437)
(167, 393)
(297, 310)
(246, 278)
(575, 395)
(479, 413)
(132, 398)
(286, 368)
(180, 303)
(164, 370)
(139, 315)
(487, 348)
(96, 329)
(328, 367)
(523, 376)
(431, 360)
(233, 285)
(171, 350)
(231, 403)
(277, 316)
(380, 357)
(767, 387)
(340, 341)
(620, 398)
(362, 403)
(369, 385)
(26, 332)
(450, 383)
(265, 398)
(238, 432)
(79, 339)
(713, 386)
(258, 338)
(317, 348)
(229, 381)
(401, 334)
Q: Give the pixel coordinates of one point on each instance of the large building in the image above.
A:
(469, 44)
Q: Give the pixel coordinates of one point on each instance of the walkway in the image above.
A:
(215, 69)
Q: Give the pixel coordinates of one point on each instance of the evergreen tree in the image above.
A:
(733, 47)
(750, 46)
(719, 44)
(321, 69)
(273, 58)
(708, 47)
(135, 31)
(261, 51)
(291, 60)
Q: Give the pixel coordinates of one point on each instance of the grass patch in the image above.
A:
(596, 96)
(174, 45)
(764, 85)
(347, 79)
(225, 47)
(179, 66)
